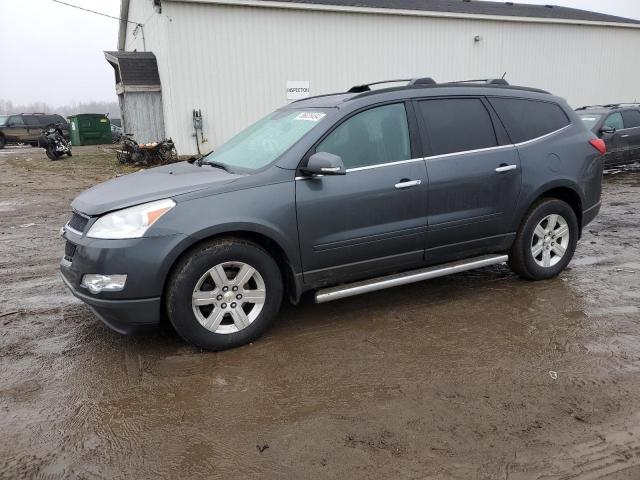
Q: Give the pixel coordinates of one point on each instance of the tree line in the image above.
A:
(7, 107)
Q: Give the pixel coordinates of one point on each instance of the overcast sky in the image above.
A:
(53, 53)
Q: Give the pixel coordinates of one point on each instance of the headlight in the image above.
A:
(130, 222)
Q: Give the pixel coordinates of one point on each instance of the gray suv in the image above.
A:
(338, 195)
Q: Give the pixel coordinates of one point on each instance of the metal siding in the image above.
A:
(233, 62)
(142, 115)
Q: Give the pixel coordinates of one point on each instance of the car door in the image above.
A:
(617, 140)
(34, 127)
(474, 177)
(373, 219)
(631, 133)
(15, 129)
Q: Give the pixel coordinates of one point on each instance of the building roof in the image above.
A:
(475, 7)
(134, 68)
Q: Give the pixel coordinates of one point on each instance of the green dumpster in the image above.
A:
(89, 129)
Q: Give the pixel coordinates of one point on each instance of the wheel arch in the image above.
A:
(568, 192)
(268, 242)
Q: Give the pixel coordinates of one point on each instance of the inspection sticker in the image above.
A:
(311, 116)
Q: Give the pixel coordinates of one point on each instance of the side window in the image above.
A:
(16, 121)
(528, 119)
(32, 120)
(631, 118)
(375, 136)
(457, 125)
(614, 120)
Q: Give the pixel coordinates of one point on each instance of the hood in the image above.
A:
(149, 185)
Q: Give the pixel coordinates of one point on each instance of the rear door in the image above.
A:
(618, 143)
(631, 133)
(373, 219)
(34, 127)
(474, 176)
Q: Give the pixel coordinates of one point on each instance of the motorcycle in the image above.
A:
(53, 141)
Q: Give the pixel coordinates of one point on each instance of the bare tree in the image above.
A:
(112, 109)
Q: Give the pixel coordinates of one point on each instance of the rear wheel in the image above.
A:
(546, 240)
(52, 154)
(226, 293)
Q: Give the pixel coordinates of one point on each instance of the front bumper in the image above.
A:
(146, 261)
(127, 317)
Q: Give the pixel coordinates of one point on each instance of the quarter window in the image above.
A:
(528, 119)
(614, 121)
(373, 137)
(631, 118)
(457, 125)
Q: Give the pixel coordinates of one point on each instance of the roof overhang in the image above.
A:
(394, 11)
(136, 72)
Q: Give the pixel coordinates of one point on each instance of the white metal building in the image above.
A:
(234, 59)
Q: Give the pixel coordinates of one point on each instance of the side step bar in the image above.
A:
(380, 283)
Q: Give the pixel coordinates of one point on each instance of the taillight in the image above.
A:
(599, 145)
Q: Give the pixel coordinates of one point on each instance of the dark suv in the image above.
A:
(619, 126)
(339, 194)
(27, 127)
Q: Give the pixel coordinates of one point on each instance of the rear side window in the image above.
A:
(631, 118)
(529, 119)
(614, 121)
(457, 125)
(32, 120)
(373, 137)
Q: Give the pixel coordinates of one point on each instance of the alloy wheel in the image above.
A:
(550, 240)
(228, 297)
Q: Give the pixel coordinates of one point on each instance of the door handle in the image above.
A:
(505, 168)
(407, 184)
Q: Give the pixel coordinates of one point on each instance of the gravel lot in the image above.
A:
(475, 376)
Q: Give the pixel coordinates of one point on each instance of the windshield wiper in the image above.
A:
(214, 164)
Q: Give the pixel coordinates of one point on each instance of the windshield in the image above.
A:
(3, 120)
(590, 119)
(266, 140)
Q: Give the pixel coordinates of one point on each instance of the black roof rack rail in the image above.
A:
(366, 87)
(32, 113)
(488, 81)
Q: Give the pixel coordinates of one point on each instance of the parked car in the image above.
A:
(340, 194)
(619, 126)
(116, 133)
(27, 127)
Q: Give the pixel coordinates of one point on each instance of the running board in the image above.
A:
(380, 283)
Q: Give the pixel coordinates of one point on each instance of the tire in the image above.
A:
(3, 142)
(541, 251)
(230, 322)
(51, 153)
(69, 154)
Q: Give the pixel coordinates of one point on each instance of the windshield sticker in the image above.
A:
(311, 116)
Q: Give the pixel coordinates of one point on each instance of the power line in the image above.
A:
(97, 13)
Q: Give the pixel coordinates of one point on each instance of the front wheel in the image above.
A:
(224, 294)
(546, 240)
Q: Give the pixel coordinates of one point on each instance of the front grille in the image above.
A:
(78, 222)
(69, 251)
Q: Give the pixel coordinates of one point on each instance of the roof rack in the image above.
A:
(610, 105)
(488, 81)
(366, 87)
(32, 113)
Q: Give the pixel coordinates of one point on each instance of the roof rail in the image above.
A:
(410, 81)
(488, 81)
(32, 113)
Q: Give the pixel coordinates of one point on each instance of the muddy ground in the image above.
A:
(475, 376)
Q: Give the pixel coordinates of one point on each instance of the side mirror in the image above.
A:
(324, 163)
(608, 129)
